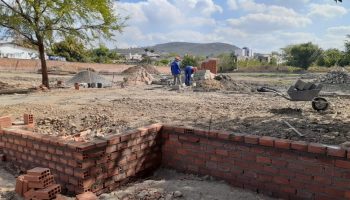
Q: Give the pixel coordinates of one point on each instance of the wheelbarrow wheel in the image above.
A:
(320, 104)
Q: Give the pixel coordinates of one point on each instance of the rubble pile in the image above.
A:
(81, 128)
(203, 75)
(149, 68)
(38, 183)
(139, 77)
(337, 76)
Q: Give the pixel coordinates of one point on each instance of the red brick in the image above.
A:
(251, 139)
(224, 135)
(221, 152)
(86, 196)
(236, 137)
(267, 141)
(317, 148)
(342, 164)
(5, 122)
(299, 145)
(282, 143)
(265, 160)
(113, 139)
(281, 180)
(336, 151)
(189, 139)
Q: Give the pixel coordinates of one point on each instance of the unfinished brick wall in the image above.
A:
(100, 166)
(275, 167)
(210, 65)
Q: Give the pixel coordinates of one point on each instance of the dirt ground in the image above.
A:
(65, 112)
(87, 113)
(165, 184)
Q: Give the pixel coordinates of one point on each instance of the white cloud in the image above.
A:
(327, 10)
(250, 5)
(232, 4)
(274, 18)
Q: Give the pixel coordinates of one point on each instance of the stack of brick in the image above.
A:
(37, 184)
(210, 65)
(5, 122)
(99, 166)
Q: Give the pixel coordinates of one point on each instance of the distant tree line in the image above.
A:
(75, 51)
(307, 54)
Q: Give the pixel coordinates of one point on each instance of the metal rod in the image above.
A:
(295, 130)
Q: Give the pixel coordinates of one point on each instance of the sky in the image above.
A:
(262, 25)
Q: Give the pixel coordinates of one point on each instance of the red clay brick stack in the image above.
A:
(37, 184)
(210, 65)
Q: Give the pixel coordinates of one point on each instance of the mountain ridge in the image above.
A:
(182, 48)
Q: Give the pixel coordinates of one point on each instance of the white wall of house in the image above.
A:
(9, 50)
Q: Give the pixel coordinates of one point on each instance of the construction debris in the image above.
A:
(38, 184)
(203, 75)
(139, 77)
(86, 196)
(89, 77)
(336, 76)
(149, 68)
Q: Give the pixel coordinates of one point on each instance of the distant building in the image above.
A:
(57, 58)
(151, 55)
(11, 50)
(136, 57)
(264, 58)
(247, 52)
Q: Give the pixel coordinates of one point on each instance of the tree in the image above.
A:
(227, 62)
(40, 22)
(330, 57)
(103, 55)
(189, 60)
(301, 55)
(70, 48)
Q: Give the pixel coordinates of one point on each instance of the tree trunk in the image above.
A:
(45, 77)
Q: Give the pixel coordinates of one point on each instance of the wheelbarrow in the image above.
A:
(302, 91)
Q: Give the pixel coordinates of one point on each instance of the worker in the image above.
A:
(176, 70)
(189, 71)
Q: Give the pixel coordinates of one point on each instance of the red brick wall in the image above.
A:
(99, 166)
(275, 167)
(210, 65)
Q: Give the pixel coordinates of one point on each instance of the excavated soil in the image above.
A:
(88, 113)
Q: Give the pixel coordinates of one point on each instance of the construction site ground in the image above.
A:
(96, 112)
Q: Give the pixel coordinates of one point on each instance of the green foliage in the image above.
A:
(227, 62)
(301, 55)
(162, 62)
(330, 57)
(103, 55)
(71, 48)
(40, 21)
(189, 60)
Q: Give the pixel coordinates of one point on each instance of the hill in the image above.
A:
(182, 48)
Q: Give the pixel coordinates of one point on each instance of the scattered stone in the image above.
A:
(178, 194)
(336, 76)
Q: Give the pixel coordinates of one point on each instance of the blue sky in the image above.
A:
(263, 25)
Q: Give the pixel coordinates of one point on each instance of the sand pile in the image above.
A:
(139, 77)
(336, 76)
(88, 77)
(149, 68)
(223, 82)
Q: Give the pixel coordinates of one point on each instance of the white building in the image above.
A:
(11, 50)
(247, 52)
(135, 56)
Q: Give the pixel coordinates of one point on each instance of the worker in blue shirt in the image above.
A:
(189, 70)
(176, 70)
